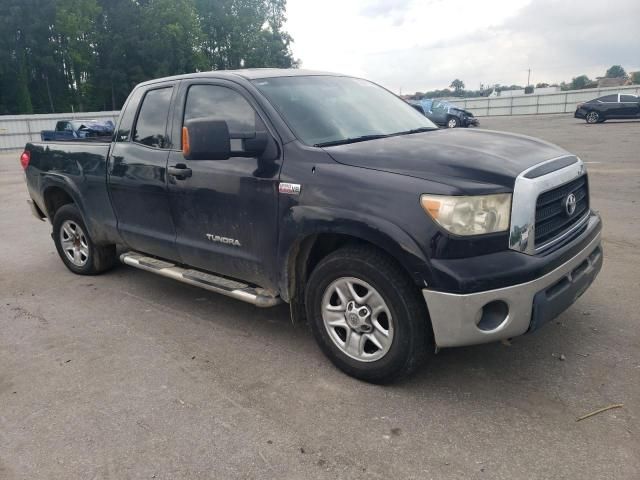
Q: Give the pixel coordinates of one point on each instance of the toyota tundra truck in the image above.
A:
(390, 237)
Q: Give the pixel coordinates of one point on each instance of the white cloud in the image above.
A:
(421, 45)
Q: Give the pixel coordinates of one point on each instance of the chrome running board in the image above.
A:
(231, 288)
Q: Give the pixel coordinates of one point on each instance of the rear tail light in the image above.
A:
(25, 158)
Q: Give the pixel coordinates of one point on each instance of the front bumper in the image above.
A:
(481, 317)
(472, 122)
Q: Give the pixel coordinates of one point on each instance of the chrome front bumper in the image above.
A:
(468, 319)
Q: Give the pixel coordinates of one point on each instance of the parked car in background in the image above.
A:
(444, 113)
(72, 129)
(615, 106)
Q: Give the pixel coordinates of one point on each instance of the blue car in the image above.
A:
(73, 129)
(444, 113)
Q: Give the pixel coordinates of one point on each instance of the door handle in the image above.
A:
(180, 171)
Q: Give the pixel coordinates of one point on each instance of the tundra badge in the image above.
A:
(225, 240)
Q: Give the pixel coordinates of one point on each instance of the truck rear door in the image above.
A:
(138, 173)
(225, 211)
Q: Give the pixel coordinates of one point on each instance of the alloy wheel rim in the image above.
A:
(357, 319)
(74, 243)
(452, 123)
(592, 117)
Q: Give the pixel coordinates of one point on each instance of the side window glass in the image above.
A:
(152, 120)
(127, 117)
(628, 99)
(60, 126)
(222, 103)
(609, 98)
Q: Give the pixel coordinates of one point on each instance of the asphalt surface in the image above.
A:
(129, 375)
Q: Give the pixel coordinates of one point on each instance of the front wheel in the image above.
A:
(593, 117)
(367, 315)
(453, 122)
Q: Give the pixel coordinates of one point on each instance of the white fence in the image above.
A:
(560, 102)
(16, 130)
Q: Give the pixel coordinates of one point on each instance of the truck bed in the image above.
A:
(80, 167)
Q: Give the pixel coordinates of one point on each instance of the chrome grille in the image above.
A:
(552, 220)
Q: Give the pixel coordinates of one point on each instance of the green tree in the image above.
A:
(88, 54)
(244, 33)
(616, 71)
(580, 82)
(75, 25)
(457, 85)
(171, 39)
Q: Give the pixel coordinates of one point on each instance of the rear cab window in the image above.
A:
(128, 116)
(151, 125)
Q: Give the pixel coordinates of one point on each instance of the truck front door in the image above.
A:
(225, 211)
(438, 113)
(138, 173)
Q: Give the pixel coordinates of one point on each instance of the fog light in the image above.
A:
(493, 315)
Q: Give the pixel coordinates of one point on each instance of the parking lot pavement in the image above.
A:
(129, 375)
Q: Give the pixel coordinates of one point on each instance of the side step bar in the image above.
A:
(231, 288)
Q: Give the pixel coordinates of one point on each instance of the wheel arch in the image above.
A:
(55, 195)
(58, 191)
(319, 235)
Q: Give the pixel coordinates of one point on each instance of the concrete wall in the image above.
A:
(16, 130)
(561, 102)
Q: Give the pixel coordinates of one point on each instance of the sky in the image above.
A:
(420, 45)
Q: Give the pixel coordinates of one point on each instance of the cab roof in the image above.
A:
(246, 73)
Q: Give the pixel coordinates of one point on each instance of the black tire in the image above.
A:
(99, 258)
(453, 122)
(412, 332)
(593, 117)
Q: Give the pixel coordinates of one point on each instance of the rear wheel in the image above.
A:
(367, 315)
(453, 122)
(593, 117)
(75, 247)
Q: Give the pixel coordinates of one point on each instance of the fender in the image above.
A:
(303, 222)
(99, 233)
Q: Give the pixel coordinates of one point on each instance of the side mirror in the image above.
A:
(255, 146)
(209, 139)
(206, 139)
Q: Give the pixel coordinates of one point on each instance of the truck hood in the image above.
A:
(466, 159)
(461, 110)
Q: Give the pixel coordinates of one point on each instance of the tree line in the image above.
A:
(86, 55)
(457, 86)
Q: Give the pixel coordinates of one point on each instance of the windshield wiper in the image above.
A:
(416, 130)
(345, 141)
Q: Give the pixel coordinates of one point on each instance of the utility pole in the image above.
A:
(529, 78)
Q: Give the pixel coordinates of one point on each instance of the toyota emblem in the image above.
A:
(570, 204)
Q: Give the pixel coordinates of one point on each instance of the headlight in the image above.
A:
(469, 215)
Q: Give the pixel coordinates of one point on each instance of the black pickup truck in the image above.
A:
(388, 235)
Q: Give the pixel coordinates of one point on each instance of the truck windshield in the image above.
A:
(328, 110)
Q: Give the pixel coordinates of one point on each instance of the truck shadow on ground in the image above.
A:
(540, 360)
